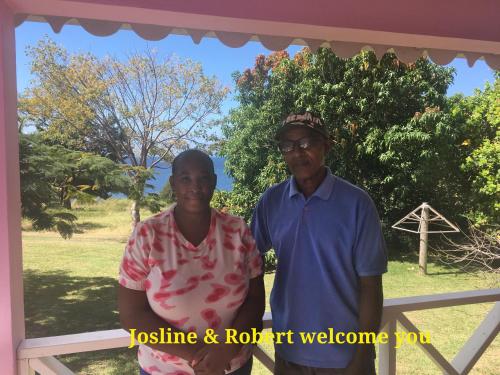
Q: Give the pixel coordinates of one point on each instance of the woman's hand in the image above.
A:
(213, 359)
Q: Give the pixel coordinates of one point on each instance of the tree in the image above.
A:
(482, 164)
(477, 250)
(51, 176)
(392, 128)
(139, 112)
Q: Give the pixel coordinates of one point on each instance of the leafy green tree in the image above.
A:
(37, 195)
(52, 176)
(482, 164)
(138, 112)
(392, 129)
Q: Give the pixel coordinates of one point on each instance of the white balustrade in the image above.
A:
(37, 354)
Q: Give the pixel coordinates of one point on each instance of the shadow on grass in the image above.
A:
(398, 256)
(451, 272)
(87, 225)
(57, 303)
(432, 259)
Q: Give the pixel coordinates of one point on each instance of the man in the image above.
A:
(330, 256)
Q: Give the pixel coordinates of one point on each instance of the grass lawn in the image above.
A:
(70, 287)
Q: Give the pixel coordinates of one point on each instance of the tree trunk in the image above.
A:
(138, 194)
(67, 203)
(63, 198)
(135, 212)
(424, 227)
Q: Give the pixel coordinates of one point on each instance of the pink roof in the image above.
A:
(451, 18)
(441, 29)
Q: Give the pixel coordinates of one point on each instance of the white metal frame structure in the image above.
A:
(418, 216)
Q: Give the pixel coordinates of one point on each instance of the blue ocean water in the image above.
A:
(224, 182)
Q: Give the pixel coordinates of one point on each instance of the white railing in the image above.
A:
(38, 354)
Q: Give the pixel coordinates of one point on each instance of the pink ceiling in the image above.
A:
(440, 29)
(470, 19)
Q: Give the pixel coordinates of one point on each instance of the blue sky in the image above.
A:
(216, 58)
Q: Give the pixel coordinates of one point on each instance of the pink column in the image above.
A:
(11, 268)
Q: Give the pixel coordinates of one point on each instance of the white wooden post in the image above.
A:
(424, 227)
(11, 266)
(429, 349)
(264, 358)
(478, 342)
(23, 367)
(387, 352)
(49, 366)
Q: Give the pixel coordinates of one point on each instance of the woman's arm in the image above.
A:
(135, 313)
(213, 359)
(251, 311)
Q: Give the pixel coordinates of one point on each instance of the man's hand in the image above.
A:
(359, 365)
(354, 368)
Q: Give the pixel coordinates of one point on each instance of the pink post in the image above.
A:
(11, 267)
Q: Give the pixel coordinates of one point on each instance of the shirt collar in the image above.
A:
(323, 191)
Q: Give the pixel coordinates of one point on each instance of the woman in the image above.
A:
(189, 269)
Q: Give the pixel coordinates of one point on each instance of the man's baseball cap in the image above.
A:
(306, 119)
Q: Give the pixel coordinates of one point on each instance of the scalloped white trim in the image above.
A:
(272, 42)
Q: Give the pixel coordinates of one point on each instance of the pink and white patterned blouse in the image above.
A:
(191, 287)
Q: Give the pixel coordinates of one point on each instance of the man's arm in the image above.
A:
(371, 299)
(135, 312)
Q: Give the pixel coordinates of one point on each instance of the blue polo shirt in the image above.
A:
(323, 245)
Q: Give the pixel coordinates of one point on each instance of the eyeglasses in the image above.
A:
(303, 143)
